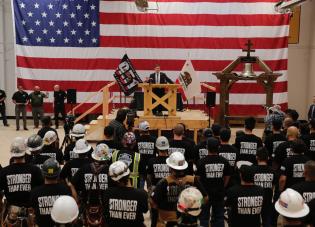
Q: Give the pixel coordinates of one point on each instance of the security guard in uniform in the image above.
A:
(131, 158)
(166, 193)
(2, 108)
(20, 99)
(59, 104)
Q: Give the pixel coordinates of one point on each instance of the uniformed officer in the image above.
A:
(20, 98)
(129, 155)
(37, 102)
(166, 192)
(214, 172)
(91, 180)
(189, 206)
(82, 149)
(123, 204)
(156, 171)
(245, 201)
(65, 212)
(59, 104)
(18, 179)
(2, 108)
(43, 197)
(35, 145)
(200, 150)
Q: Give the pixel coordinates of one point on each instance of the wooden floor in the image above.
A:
(193, 119)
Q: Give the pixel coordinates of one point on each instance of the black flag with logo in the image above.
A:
(126, 76)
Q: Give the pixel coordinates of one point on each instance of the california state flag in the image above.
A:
(189, 80)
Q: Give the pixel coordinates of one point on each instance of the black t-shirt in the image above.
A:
(69, 154)
(272, 141)
(71, 167)
(2, 95)
(41, 132)
(59, 98)
(20, 97)
(36, 160)
(230, 153)
(310, 218)
(17, 180)
(43, 198)
(311, 147)
(283, 151)
(293, 169)
(158, 169)
(200, 151)
(146, 147)
(82, 181)
(246, 204)
(306, 189)
(53, 152)
(125, 206)
(247, 146)
(265, 177)
(166, 195)
(212, 169)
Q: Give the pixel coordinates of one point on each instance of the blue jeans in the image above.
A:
(217, 214)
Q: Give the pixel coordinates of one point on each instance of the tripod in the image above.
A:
(66, 141)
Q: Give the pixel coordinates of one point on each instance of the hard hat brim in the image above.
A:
(15, 155)
(77, 135)
(285, 213)
(96, 158)
(240, 163)
(35, 148)
(183, 167)
(82, 151)
(162, 148)
(117, 178)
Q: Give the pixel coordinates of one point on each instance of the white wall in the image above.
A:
(301, 74)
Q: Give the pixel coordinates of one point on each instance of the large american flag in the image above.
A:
(79, 43)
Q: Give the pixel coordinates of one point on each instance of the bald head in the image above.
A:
(37, 88)
(179, 130)
(292, 133)
(56, 87)
(309, 170)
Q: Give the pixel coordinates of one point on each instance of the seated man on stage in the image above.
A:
(159, 78)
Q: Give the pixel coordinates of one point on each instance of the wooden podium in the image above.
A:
(170, 95)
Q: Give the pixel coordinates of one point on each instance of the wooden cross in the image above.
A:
(249, 49)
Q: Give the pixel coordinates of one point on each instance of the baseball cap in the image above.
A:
(144, 126)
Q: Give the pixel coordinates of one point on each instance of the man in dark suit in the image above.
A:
(159, 78)
(311, 111)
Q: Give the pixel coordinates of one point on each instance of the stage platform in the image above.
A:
(193, 119)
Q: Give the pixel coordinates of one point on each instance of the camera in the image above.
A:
(69, 123)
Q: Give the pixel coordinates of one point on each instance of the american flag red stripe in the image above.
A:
(210, 33)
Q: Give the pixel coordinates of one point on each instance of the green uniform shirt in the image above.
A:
(37, 99)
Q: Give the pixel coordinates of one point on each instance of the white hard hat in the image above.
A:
(177, 161)
(190, 201)
(50, 137)
(81, 146)
(101, 153)
(144, 126)
(291, 204)
(78, 130)
(65, 210)
(18, 147)
(118, 170)
(239, 164)
(162, 143)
